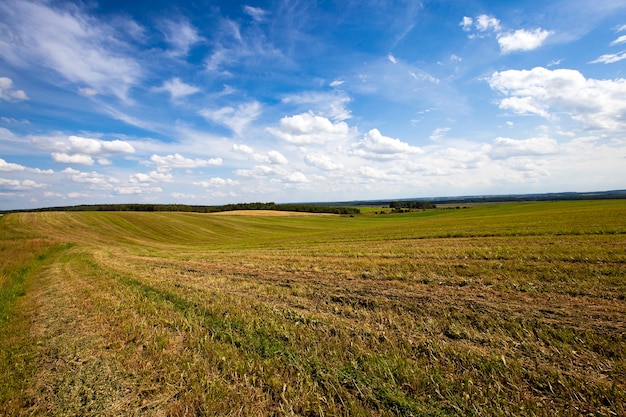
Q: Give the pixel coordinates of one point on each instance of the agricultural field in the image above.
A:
(504, 309)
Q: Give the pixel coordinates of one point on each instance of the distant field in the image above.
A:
(268, 213)
(500, 309)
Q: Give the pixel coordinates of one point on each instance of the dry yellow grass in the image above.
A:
(518, 310)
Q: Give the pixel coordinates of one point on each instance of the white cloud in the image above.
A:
(610, 58)
(77, 159)
(439, 133)
(323, 162)
(80, 150)
(11, 120)
(485, 22)
(180, 35)
(621, 39)
(598, 104)
(8, 93)
(87, 92)
(336, 83)
(256, 13)
(11, 167)
(179, 161)
(271, 157)
(153, 176)
(518, 40)
(371, 172)
(98, 147)
(243, 149)
(297, 177)
(331, 105)
(216, 182)
(17, 185)
(481, 23)
(392, 59)
(376, 146)
(177, 88)
(466, 23)
(234, 118)
(276, 157)
(64, 39)
(522, 40)
(244, 45)
(136, 189)
(256, 172)
(96, 180)
(307, 128)
(503, 148)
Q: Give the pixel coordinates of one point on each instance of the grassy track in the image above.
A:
(509, 309)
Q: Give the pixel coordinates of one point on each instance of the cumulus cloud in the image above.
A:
(309, 129)
(323, 162)
(98, 147)
(503, 148)
(136, 189)
(11, 167)
(62, 38)
(76, 159)
(80, 150)
(179, 161)
(216, 182)
(243, 149)
(481, 23)
(598, 104)
(95, 179)
(8, 167)
(276, 174)
(235, 118)
(271, 157)
(522, 40)
(8, 93)
(275, 157)
(151, 177)
(177, 88)
(17, 185)
(376, 146)
(509, 41)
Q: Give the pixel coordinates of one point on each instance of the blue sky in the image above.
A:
(214, 102)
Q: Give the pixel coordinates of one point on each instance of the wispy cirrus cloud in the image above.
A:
(176, 88)
(64, 39)
(235, 118)
(180, 35)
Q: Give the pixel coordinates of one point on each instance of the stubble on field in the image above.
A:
(344, 323)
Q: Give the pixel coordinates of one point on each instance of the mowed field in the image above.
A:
(509, 309)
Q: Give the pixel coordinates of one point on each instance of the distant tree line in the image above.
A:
(306, 208)
(400, 206)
